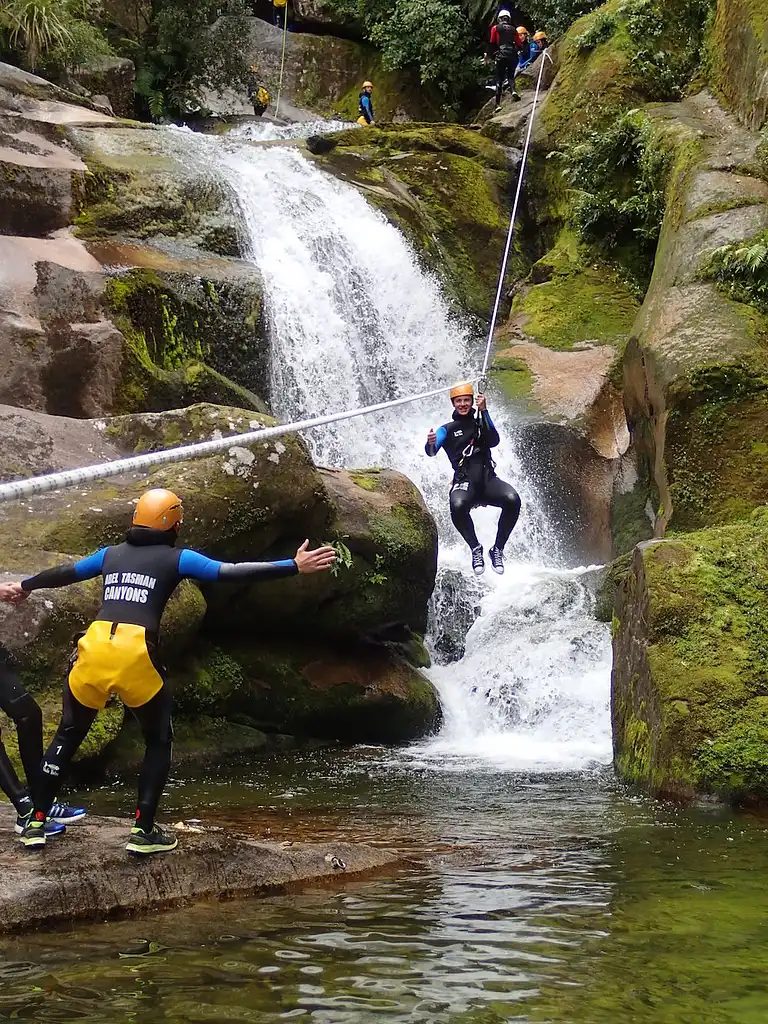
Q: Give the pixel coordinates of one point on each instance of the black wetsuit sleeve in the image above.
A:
(490, 433)
(64, 575)
(195, 566)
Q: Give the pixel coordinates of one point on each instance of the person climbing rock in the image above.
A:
(540, 43)
(118, 653)
(365, 105)
(257, 94)
(467, 441)
(503, 50)
(24, 712)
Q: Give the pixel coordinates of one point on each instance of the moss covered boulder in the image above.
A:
(445, 186)
(738, 58)
(694, 371)
(351, 694)
(690, 677)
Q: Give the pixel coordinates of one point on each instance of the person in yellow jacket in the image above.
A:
(365, 106)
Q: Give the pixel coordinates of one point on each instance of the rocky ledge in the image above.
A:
(87, 874)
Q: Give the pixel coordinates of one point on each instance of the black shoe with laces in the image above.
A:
(478, 565)
(143, 843)
(496, 556)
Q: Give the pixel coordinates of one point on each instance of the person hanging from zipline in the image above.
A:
(467, 441)
(365, 106)
(118, 653)
(503, 49)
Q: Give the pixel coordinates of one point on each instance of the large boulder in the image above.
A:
(689, 686)
(105, 319)
(694, 370)
(113, 77)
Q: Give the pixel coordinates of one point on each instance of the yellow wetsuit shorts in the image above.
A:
(113, 657)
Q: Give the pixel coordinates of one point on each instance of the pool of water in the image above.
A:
(556, 897)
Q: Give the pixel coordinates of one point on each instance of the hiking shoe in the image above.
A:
(515, 94)
(33, 834)
(496, 556)
(478, 565)
(497, 108)
(52, 828)
(154, 841)
(66, 815)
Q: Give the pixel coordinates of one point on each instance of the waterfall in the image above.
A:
(521, 665)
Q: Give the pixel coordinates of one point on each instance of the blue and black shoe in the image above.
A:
(51, 830)
(66, 815)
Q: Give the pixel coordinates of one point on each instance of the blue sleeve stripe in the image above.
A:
(90, 566)
(197, 567)
(287, 563)
(442, 433)
(489, 420)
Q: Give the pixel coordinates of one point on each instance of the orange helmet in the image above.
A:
(522, 30)
(367, 84)
(158, 509)
(538, 36)
(462, 389)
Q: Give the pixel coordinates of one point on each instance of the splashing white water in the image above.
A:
(354, 319)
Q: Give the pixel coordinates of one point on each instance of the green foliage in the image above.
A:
(186, 49)
(667, 39)
(32, 28)
(343, 556)
(619, 175)
(741, 270)
(597, 32)
(557, 15)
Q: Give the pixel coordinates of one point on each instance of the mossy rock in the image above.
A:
(737, 58)
(514, 378)
(447, 189)
(571, 298)
(690, 684)
(189, 339)
(352, 694)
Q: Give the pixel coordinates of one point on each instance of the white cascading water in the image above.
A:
(521, 665)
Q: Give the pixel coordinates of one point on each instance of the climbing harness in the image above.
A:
(282, 60)
(86, 474)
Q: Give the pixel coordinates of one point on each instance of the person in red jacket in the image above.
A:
(503, 49)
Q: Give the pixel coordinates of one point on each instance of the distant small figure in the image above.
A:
(257, 94)
(365, 106)
(503, 50)
(280, 13)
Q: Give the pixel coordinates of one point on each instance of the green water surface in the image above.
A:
(529, 898)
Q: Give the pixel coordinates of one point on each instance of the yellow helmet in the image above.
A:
(367, 85)
(158, 509)
(538, 36)
(462, 389)
(522, 30)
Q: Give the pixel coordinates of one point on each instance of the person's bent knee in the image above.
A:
(25, 711)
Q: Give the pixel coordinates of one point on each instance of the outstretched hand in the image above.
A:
(317, 560)
(12, 593)
(482, 405)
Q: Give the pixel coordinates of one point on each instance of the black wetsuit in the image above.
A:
(23, 711)
(468, 446)
(118, 653)
(504, 46)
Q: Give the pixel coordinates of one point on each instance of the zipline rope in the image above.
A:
(73, 477)
(510, 235)
(282, 60)
(86, 474)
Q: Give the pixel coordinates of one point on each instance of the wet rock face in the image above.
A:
(92, 877)
(688, 689)
(739, 58)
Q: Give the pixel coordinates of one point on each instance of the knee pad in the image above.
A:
(24, 710)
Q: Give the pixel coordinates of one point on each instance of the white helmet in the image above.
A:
(504, 13)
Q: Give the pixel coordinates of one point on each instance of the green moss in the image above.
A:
(570, 300)
(400, 532)
(734, 203)
(367, 480)
(515, 379)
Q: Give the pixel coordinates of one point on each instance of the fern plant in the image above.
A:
(741, 271)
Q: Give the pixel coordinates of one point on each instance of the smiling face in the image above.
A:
(463, 404)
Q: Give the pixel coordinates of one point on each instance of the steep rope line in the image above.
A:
(282, 61)
(511, 233)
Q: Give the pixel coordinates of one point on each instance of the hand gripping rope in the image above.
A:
(74, 477)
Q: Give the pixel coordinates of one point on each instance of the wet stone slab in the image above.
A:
(88, 875)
